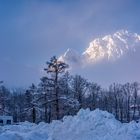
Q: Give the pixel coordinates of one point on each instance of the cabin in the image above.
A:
(6, 120)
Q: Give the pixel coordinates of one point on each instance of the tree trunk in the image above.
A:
(46, 107)
(34, 115)
(128, 109)
(56, 96)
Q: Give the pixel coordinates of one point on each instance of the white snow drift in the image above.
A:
(86, 125)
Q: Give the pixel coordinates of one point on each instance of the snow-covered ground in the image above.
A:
(86, 125)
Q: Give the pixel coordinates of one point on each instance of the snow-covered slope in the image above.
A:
(71, 57)
(86, 125)
(112, 46)
(109, 47)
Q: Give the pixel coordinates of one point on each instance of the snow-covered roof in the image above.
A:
(6, 117)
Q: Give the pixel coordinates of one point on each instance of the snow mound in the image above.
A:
(86, 125)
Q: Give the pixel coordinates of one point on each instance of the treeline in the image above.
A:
(59, 94)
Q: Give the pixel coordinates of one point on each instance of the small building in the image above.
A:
(6, 120)
(137, 112)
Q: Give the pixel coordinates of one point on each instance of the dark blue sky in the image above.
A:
(31, 31)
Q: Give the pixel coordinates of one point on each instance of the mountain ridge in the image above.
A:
(110, 47)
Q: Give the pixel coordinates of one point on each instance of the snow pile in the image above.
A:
(86, 125)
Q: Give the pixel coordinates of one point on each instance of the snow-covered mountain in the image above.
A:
(112, 46)
(109, 47)
(71, 57)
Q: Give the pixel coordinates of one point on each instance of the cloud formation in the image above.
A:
(34, 31)
(112, 58)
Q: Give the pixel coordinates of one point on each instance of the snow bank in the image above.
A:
(86, 125)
